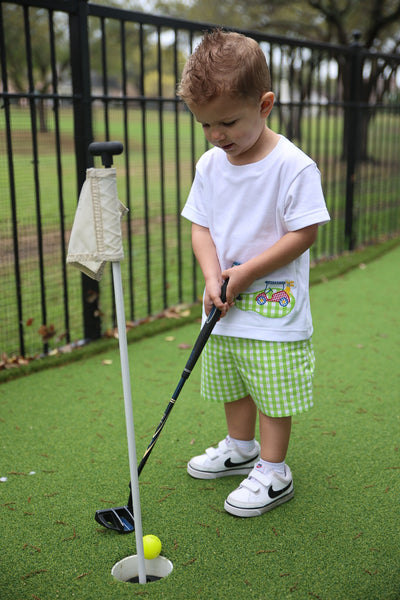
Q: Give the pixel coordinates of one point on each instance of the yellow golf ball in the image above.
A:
(151, 546)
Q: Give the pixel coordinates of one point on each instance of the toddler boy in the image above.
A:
(255, 206)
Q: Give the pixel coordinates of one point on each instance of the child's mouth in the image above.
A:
(227, 147)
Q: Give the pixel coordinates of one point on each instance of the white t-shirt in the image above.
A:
(247, 209)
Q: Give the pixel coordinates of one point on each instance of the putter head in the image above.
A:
(118, 519)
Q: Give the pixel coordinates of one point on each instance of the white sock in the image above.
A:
(269, 466)
(246, 446)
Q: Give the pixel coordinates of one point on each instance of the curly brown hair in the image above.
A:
(224, 63)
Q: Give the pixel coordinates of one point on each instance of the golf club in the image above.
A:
(121, 518)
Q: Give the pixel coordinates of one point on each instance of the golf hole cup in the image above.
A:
(127, 569)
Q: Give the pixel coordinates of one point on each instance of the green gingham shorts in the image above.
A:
(277, 375)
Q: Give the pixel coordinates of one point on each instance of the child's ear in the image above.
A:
(266, 103)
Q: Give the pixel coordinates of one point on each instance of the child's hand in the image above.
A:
(240, 279)
(212, 297)
(289, 247)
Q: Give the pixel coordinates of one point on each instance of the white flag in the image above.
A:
(96, 236)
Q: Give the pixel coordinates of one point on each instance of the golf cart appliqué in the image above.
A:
(274, 301)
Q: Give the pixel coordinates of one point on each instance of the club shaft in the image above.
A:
(201, 341)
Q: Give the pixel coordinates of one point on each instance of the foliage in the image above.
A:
(320, 20)
(15, 20)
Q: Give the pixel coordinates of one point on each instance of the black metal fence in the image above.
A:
(73, 72)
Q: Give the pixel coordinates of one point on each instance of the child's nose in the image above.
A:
(217, 135)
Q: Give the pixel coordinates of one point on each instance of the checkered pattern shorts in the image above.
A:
(277, 375)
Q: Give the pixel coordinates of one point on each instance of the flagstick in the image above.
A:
(130, 430)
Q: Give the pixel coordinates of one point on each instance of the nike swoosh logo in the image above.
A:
(276, 493)
(230, 465)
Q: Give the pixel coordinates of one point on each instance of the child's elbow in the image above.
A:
(310, 235)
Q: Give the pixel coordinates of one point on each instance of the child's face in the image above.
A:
(237, 125)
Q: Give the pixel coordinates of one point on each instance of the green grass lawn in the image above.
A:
(64, 456)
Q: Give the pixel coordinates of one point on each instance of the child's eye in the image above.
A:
(229, 124)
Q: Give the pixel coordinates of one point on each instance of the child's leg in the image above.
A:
(239, 452)
(274, 437)
(270, 482)
(241, 418)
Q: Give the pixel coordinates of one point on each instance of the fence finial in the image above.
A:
(356, 36)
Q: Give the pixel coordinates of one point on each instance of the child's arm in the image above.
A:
(284, 251)
(206, 254)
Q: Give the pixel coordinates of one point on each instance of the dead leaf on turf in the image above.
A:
(70, 538)
(47, 332)
(190, 562)
(25, 546)
(84, 575)
(164, 498)
(34, 573)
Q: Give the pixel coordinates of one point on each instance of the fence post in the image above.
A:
(83, 136)
(352, 133)
(11, 175)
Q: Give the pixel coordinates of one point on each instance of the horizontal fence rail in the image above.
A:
(74, 72)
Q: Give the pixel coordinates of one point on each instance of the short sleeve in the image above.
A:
(194, 209)
(305, 203)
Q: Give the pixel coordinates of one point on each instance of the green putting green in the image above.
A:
(64, 455)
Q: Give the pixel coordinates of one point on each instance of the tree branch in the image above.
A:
(379, 21)
(334, 16)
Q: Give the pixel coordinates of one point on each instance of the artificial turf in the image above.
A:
(64, 455)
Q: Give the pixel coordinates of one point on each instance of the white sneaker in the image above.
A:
(226, 459)
(259, 493)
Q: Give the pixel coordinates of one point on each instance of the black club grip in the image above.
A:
(205, 333)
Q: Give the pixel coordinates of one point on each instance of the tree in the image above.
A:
(21, 75)
(332, 21)
(318, 20)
